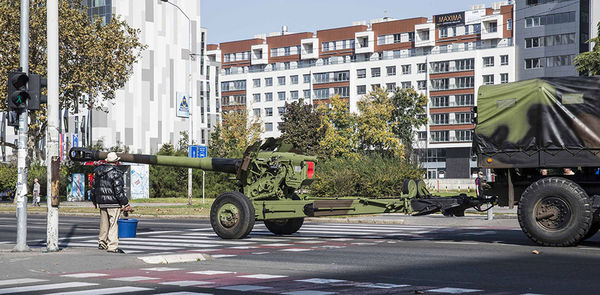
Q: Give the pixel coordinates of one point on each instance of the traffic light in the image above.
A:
(17, 91)
(36, 83)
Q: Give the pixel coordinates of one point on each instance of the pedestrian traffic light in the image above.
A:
(36, 83)
(17, 91)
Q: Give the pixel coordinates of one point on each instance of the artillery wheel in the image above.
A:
(555, 211)
(284, 226)
(232, 216)
(593, 230)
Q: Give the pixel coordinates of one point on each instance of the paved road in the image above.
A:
(323, 258)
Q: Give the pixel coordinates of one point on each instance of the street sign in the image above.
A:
(75, 140)
(198, 151)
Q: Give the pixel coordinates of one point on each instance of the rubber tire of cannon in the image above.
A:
(569, 203)
(243, 220)
(593, 230)
(284, 226)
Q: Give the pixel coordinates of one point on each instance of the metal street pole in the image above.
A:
(189, 84)
(22, 143)
(52, 157)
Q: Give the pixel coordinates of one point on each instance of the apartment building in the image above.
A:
(445, 57)
(550, 33)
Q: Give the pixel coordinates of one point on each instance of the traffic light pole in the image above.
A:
(21, 195)
(52, 157)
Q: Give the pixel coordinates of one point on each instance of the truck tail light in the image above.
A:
(311, 169)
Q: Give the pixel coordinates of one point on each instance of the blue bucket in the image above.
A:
(127, 228)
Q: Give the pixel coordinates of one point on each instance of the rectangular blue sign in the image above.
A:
(198, 151)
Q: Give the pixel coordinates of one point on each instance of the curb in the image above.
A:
(175, 258)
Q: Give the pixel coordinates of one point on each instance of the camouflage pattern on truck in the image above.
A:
(546, 122)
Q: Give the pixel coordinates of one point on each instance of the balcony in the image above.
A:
(309, 48)
(448, 122)
(451, 87)
(491, 27)
(451, 139)
(364, 42)
(259, 54)
(449, 69)
(451, 104)
(425, 35)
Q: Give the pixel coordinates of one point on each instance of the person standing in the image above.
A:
(109, 196)
(36, 193)
(479, 184)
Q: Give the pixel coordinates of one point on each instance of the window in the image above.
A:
(440, 119)
(391, 70)
(465, 100)
(256, 97)
(406, 85)
(321, 77)
(509, 24)
(488, 79)
(361, 89)
(533, 63)
(440, 67)
(405, 69)
(281, 80)
(422, 85)
(281, 95)
(268, 127)
(375, 72)
(464, 135)
(256, 113)
(504, 78)
(463, 118)
(375, 86)
(559, 61)
(503, 60)
(422, 135)
(306, 78)
(465, 64)
(440, 101)
(440, 136)
(294, 94)
(281, 111)
(268, 112)
(444, 32)
(268, 81)
(440, 84)
(476, 28)
(256, 82)
(342, 91)
(341, 76)
(269, 96)
(465, 82)
(361, 73)
(306, 93)
(411, 36)
(488, 61)
(322, 93)
(421, 68)
(294, 79)
(493, 27)
(390, 86)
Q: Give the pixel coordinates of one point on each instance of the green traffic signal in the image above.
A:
(17, 91)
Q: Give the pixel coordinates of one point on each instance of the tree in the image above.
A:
(166, 181)
(300, 127)
(95, 58)
(234, 135)
(376, 125)
(408, 114)
(589, 62)
(339, 126)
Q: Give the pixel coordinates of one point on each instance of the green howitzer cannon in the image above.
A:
(270, 174)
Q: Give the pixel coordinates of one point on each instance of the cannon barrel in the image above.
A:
(208, 164)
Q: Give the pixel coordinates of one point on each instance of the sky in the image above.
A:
(231, 20)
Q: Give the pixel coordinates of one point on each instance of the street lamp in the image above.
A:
(189, 82)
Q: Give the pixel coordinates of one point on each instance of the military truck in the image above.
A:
(540, 140)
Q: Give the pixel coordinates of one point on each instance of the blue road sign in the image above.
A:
(76, 140)
(198, 151)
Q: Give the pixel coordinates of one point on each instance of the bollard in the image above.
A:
(490, 214)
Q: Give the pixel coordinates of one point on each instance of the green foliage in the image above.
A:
(301, 127)
(589, 62)
(371, 175)
(166, 182)
(8, 177)
(234, 135)
(375, 128)
(408, 114)
(339, 126)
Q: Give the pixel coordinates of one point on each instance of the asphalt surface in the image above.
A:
(388, 254)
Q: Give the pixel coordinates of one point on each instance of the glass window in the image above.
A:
(294, 79)
(268, 127)
(268, 81)
(306, 93)
(391, 70)
(256, 112)
(306, 78)
(488, 61)
(281, 111)
(281, 95)
(405, 69)
(375, 72)
(256, 97)
(421, 68)
(406, 85)
(256, 82)
(504, 78)
(294, 94)
(465, 100)
(281, 80)
(361, 89)
(361, 73)
(422, 85)
(268, 112)
(503, 60)
(440, 101)
(390, 86)
(269, 96)
(488, 79)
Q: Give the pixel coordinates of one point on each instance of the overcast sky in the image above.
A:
(230, 20)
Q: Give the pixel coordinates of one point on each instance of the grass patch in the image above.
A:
(170, 200)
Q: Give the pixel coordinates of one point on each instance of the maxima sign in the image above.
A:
(450, 19)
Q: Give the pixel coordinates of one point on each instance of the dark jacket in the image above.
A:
(108, 187)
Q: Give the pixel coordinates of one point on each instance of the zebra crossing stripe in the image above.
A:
(37, 288)
(171, 244)
(124, 247)
(20, 281)
(186, 283)
(104, 291)
(183, 293)
(454, 290)
(178, 238)
(85, 275)
(134, 279)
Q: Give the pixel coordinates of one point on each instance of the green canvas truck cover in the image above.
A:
(545, 122)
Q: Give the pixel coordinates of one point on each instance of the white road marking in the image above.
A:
(210, 272)
(85, 275)
(321, 281)
(161, 268)
(296, 250)
(20, 281)
(308, 292)
(134, 279)
(453, 290)
(382, 286)
(244, 288)
(186, 283)
(262, 276)
(104, 291)
(461, 243)
(37, 288)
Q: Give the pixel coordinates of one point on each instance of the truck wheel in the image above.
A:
(555, 211)
(284, 226)
(232, 216)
